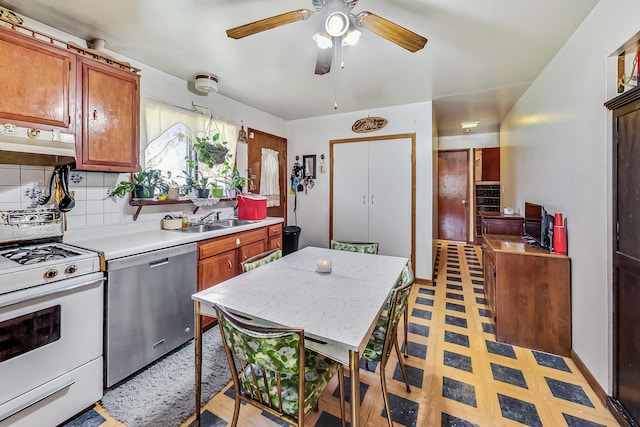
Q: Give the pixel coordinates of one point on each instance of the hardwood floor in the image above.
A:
(459, 374)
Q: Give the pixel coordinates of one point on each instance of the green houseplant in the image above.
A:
(144, 185)
(232, 179)
(211, 152)
(201, 186)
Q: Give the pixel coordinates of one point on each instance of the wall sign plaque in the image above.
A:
(369, 124)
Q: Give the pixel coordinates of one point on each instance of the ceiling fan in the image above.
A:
(340, 27)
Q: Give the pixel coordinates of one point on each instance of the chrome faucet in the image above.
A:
(209, 214)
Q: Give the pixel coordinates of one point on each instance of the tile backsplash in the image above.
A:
(21, 185)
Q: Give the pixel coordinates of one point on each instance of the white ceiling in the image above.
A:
(480, 57)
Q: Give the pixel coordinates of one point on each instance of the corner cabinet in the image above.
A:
(108, 105)
(39, 83)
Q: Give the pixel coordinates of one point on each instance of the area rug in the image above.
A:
(163, 394)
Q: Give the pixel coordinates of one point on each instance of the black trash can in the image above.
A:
(290, 236)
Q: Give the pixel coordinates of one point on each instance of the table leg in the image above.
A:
(354, 379)
(197, 324)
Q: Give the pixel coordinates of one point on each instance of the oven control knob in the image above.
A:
(71, 269)
(50, 274)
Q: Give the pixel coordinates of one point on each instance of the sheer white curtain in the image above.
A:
(269, 177)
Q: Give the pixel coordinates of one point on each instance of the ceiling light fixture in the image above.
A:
(323, 40)
(336, 24)
(469, 125)
(351, 38)
(206, 83)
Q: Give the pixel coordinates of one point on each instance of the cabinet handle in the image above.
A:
(364, 199)
(95, 115)
(245, 257)
(230, 265)
(372, 199)
(278, 245)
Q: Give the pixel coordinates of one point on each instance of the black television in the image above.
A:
(538, 225)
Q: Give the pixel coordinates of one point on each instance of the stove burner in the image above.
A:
(36, 254)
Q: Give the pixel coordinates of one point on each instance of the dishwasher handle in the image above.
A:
(159, 263)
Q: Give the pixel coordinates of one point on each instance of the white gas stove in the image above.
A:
(51, 321)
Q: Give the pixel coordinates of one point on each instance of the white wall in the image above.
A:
(312, 136)
(556, 150)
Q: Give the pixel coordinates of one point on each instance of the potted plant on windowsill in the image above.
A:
(201, 187)
(144, 185)
(232, 180)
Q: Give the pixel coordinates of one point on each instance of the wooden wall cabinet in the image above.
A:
(528, 291)
(38, 83)
(53, 84)
(108, 105)
(495, 223)
(219, 258)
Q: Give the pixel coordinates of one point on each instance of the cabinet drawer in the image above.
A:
(208, 248)
(251, 249)
(275, 230)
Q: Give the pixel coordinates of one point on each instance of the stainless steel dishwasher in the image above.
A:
(149, 310)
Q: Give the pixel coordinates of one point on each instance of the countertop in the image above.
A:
(117, 241)
(516, 244)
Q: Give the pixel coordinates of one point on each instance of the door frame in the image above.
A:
(470, 192)
(412, 137)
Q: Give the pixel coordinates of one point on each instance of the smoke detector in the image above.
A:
(206, 83)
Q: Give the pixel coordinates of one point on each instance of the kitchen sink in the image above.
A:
(232, 222)
(200, 228)
(212, 226)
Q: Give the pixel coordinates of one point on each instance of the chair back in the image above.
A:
(267, 365)
(399, 304)
(362, 247)
(260, 260)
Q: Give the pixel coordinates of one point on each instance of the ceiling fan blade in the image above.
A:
(325, 58)
(268, 23)
(391, 31)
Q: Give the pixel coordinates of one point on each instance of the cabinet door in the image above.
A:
(390, 196)
(275, 237)
(108, 137)
(252, 249)
(216, 269)
(350, 166)
(38, 82)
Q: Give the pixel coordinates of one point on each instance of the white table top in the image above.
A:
(339, 309)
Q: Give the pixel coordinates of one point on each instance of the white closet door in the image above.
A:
(350, 195)
(390, 195)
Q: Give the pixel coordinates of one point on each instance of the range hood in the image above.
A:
(43, 148)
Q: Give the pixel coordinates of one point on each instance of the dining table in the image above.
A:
(338, 309)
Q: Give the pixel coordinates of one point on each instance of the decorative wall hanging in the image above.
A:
(369, 124)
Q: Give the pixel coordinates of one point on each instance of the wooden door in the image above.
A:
(350, 192)
(256, 142)
(453, 195)
(626, 262)
(108, 138)
(390, 196)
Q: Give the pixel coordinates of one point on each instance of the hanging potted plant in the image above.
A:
(211, 152)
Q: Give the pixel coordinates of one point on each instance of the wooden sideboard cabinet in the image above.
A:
(496, 223)
(528, 290)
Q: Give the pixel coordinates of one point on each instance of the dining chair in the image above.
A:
(272, 370)
(260, 260)
(362, 247)
(385, 337)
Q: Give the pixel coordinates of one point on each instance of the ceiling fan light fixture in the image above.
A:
(206, 83)
(351, 38)
(336, 24)
(323, 40)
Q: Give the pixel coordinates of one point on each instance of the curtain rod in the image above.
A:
(193, 109)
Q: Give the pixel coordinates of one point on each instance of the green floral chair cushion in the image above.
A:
(265, 356)
(261, 259)
(362, 247)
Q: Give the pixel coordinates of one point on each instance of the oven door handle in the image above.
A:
(22, 299)
(36, 399)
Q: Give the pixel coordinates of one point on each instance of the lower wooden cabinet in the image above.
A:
(219, 258)
(275, 237)
(528, 290)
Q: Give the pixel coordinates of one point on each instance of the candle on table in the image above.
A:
(323, 266)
